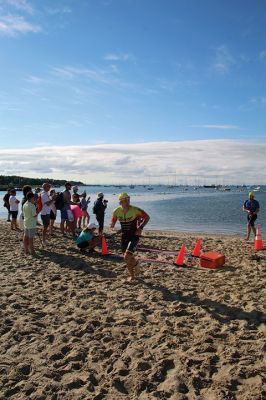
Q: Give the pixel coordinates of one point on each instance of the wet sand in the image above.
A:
(73, 328)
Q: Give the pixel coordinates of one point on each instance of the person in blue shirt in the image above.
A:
(87, 238)
(251, 207)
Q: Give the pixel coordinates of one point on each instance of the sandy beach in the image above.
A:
(73, 328)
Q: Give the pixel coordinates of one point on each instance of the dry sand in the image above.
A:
(71, 328)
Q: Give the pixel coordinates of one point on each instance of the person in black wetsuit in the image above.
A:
(99, 210)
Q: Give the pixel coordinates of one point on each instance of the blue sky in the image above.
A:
(108, 76)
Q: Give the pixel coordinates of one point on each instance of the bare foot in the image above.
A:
(137, 269)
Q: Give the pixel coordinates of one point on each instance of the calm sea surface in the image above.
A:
(179, 208)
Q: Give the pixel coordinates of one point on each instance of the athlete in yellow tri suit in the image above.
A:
(132, 220)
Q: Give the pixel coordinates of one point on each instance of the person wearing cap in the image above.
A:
(251, 207)
(87, 238)
(99, 210)
(132, 220)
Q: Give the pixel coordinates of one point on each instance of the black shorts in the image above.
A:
(83, 245)
(129, 243)
(45, 220)
(14, 214)
(52, 215)
(251, 219)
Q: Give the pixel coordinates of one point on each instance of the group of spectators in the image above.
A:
(73, 208)
(74, 213)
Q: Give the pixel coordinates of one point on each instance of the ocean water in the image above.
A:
(180, 209)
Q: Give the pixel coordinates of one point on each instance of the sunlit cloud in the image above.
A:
(233, 160)
(12, 25)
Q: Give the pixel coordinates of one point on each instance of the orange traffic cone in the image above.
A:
(196, 251)
(258, 245)
(181, 256)
(105, 250)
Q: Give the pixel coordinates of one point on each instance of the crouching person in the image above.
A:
(87, 238)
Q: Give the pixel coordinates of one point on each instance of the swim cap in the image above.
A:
(251, 194)
(123, 196)
(92, 226)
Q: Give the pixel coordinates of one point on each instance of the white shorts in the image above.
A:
(70, 216)
(30, 233)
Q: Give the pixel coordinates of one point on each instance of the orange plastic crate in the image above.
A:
(212, 260)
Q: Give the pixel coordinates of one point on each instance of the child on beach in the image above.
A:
(84, 207)
(76, 210)
(13, 202)
(30, 222)
(87, 238)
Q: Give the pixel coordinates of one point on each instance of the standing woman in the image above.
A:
(52, 196)
(13, 202)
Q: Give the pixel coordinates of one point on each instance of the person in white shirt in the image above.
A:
(46, 210)
(13, 202)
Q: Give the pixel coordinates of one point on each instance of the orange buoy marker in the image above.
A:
(196, 251)
(105, 250)
(258, 245)
(181, 256)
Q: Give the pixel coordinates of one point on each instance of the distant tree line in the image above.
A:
(14, 181)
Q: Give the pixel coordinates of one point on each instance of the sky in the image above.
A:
(134, 91)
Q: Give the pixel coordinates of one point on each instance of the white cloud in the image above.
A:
(216, 126)
(35, 80)
(119, 57)
(22, 5)
(12, 25)
(56, 11)
(209, 160)
(262, 55)
(223, 60)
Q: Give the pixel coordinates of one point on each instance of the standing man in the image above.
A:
(132, 220)
(46, 210)
(99, 210)
(251, 207)
(6, 204)
(66, 213)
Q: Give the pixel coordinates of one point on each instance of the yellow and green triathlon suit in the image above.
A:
(130, 222)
